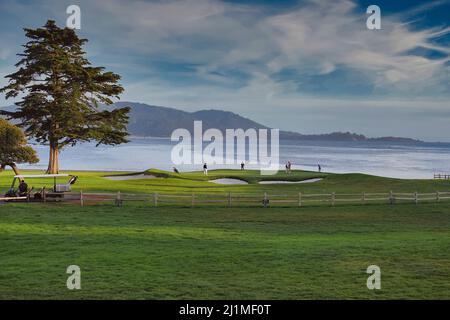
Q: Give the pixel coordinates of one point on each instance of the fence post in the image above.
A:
(416, 197)
(44, 196)
(193, 199)
(438, 196)
(363, 199)
(299, 199)
(229, 199)
(118, 199)
(155, 199)
(391, 197)
(265, 200)
(333, 198)
(81, 198)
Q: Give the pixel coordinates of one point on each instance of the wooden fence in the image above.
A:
(442, 176)
(248, 199)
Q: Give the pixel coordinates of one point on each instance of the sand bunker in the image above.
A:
(290, 182)
(228, 181)
(132, 177)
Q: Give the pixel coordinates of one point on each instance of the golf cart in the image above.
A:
(20, 191)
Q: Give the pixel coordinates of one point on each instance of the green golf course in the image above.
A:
(139, 251)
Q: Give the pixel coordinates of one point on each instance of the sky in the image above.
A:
(309, 66)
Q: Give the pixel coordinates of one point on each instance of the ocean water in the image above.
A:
(382, 159)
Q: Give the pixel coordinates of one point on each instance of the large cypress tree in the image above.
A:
(62, 93)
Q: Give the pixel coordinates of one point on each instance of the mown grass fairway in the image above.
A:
(141, 252)
(197, 182)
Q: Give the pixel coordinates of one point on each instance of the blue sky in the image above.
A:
(309, 66)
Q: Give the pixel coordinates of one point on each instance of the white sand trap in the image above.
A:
(228, 181)
(132, 177)
(290, 182)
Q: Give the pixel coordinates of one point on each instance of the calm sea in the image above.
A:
(383, 159)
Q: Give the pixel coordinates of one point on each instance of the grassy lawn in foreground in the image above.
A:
(138, 251)
(222, 253)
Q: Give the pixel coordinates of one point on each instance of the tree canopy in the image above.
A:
(13, 147)
(63, 93)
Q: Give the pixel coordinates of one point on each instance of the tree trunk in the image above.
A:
(12, 165)
(53, 162)
(15, 169)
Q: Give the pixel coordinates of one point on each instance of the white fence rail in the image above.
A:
(441, 176)
(244, 199)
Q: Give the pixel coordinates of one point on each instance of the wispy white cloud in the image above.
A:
(321, 34)
(237, 53)
(315, 38)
